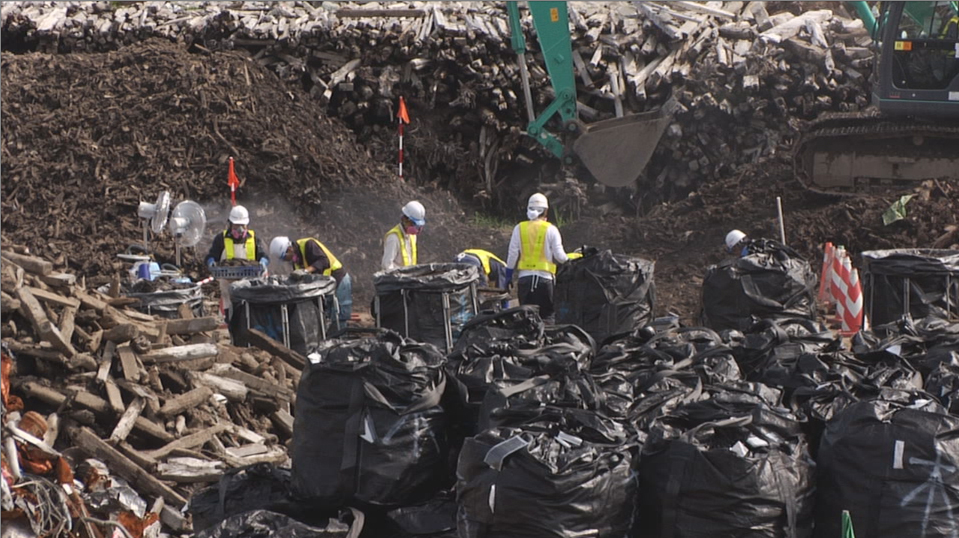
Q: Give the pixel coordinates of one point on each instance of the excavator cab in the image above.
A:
(913, 135)
(615, 151)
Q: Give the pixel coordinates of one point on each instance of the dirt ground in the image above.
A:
(78, 157)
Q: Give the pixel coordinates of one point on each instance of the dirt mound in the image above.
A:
(687, 236)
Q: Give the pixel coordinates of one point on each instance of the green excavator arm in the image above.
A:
(615, 151)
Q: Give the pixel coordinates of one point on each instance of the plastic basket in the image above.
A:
(236, 272)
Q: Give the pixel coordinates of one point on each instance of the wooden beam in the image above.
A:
(264, 342)
(191, 326)
(188, 400)
(347, 13)
(55, 298)
(31, 309)
(30, 264)
(179, 353)
(127, 420)
(199, 438)
(123, 466)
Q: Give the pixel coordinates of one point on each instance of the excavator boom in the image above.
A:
(615, 151)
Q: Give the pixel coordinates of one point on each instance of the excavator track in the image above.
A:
(859, 153)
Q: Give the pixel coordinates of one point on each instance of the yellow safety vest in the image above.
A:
(230, 250)
(532, 254)
(407, 259)
(334, 263)
(484, 258)
(950, 30)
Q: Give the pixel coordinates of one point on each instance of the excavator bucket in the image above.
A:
(616, 151)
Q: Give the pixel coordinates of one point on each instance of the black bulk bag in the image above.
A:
(605, 293)
(732, 465)
(369, 425)
(567, 475)
(428, 303)
(914, 282)
(291, 310)
(774, 282)
(894, 466)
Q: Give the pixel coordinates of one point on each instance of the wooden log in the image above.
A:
(141, 479)
(234, 391)
(127, 420)
(7, 303)
(106, 362)
(192, 326)
(59, 280)
(54, 298)
(68, 322)
(30, 264)
(46, 330)
(283, 420)
(190, 441)
(114, 396)
(121, 333)
(179, 353)
(252, 382)
(189, 400)
(264, 342)
(90, 302)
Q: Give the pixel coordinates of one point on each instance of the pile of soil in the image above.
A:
(79, 157)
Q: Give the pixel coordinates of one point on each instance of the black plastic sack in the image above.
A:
(259, 486)
(511, 403)
(914, 282)
(731, 465)
(605, 293)
(771, 342)
(166, 303)
(428, 303)
(369, 425)
(267, 524)
(894, 467)
(567, 476)
(943, 383)
(775, 283)
(260, 303)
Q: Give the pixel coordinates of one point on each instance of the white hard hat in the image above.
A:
(415, 212)
(733, 238)
(239, 215)
(278, 247)
(537, 201)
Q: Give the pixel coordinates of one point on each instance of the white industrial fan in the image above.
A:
(187, 224)
(156, 214)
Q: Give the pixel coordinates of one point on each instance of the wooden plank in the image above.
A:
(127, 420)
(106, 362)
(190, 470)
(30, 264)
(121, 333)
(192, 326)
(8, 303)
(114, 396)
(138, 457)
(199, 438)
(89, 301)
(31, 309)
(124, 467)
(68, 322)
(179, 353)
(264, 342)
(55, 298)
(59, 280)
(234, 391)
(283, 420)
(128, 362)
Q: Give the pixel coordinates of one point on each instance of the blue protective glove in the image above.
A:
(264, 262)
(210, 262)
(509, 279)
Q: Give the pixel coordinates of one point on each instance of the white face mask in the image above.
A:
(533, 214)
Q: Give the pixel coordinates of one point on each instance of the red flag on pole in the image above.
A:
(233, 181)
(403, 117)
(402, 114)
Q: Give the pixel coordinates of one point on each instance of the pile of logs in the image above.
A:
(157, 401)
(743, 76)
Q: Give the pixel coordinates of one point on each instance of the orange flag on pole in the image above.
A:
(403, 115)
(233, 181)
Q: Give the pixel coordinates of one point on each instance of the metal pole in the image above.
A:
(782, 226)
(321, 308)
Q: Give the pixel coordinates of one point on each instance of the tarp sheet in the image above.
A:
(772, 283)
(917, 282)
(166, 303)
(605, 293)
